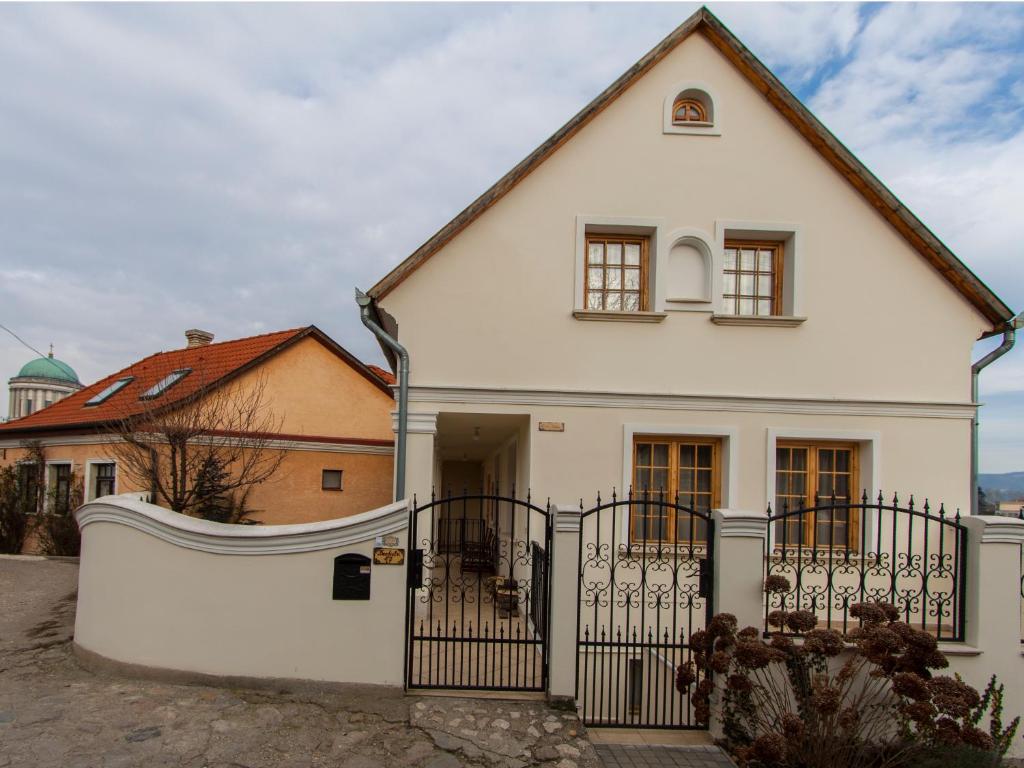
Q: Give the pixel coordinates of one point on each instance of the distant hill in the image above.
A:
(1007, 485)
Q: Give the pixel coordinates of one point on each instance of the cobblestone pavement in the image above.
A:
(650, 756)
(55, 713)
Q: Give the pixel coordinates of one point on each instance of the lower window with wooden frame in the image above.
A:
(825, 471)
(674, 470)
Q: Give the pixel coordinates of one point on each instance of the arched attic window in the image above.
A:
(690, 108)
(687, 109)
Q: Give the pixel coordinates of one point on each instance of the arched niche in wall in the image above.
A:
(688, 272)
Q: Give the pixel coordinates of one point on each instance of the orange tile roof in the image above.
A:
(380, 373)
(210, 364)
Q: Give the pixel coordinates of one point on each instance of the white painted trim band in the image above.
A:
(279, 445)
(224, 539)
(735, 403)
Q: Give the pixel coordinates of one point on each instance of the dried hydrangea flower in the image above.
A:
(776, 583)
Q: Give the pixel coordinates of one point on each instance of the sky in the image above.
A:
(240, 168)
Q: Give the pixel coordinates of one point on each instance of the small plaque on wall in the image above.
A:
(388, 556)
(551, 426)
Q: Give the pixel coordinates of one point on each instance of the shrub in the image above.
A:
(791, 705)
(57, 529)
(13, 513)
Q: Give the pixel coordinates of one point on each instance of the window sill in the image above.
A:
(775, 321)
(620, 317)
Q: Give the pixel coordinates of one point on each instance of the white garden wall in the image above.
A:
(161, 590)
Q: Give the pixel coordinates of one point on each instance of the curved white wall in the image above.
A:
(165, 591)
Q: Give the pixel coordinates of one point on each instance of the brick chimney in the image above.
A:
(198, 338)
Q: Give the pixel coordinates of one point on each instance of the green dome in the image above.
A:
(49, 368)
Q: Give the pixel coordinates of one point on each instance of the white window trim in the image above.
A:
(713, 256)
(619, 225)
(46, 479)
(712, 128)
(791, 235)
(87, 481)
(869, 461)
(730, 456)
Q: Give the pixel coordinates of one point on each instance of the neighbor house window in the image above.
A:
(616, 273)
(752, 274)
(682, 470)
(103, 479)
(110, 391)
(331, 480)
(60, 488)
(815, 474)
(688, 111)
(28, 486)
(165, 383)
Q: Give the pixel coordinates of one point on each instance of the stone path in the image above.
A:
(54, 713)
(650, 756)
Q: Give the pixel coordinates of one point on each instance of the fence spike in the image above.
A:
(881, 498)
(864, 497)
(910, 504)
(942, 509)
(769, 509)
(926, 507)
(614, 497)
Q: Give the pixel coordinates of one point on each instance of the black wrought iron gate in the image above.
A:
(645, 584)
(477, 608)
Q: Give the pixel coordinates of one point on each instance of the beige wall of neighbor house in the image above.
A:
(881, 323)
(255, 602)
(315, 393)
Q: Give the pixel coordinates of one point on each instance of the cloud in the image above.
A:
(242, 167)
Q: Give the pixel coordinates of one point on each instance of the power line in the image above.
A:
(25, 343)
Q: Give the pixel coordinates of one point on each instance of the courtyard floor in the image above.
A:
(53, 712)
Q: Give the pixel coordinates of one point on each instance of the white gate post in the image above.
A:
(564, 598)
(739, 564)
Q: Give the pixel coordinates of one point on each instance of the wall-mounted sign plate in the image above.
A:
(386, 540)
(551, 426)
(388, 556)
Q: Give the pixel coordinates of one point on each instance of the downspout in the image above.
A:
(1009, 336)
(364, 303)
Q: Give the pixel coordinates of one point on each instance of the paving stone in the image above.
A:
(54, 713)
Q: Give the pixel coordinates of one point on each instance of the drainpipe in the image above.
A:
(364, 302)
(1009, 335)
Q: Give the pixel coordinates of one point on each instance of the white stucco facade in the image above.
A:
(873, 345)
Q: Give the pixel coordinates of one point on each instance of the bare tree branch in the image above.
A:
(166, 447)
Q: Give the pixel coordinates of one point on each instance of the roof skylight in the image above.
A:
(165, 383)
(110, 391)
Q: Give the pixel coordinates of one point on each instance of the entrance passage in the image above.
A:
(477, 609)
(645, 571)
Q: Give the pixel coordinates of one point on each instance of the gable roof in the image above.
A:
(842, 159)
(211, 366)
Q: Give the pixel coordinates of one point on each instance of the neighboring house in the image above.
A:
(39, 383)
(1013, 507)
(692, 285)
(334, 414)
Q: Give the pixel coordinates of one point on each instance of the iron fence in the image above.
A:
(838, 553)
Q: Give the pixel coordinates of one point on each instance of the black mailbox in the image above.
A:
(351, 577)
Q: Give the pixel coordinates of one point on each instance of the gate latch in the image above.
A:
(414, 577)
(704, 578)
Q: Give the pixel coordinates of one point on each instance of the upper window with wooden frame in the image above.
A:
(752, 278)
(823, 474)
(688, 110)
(674, 470)
(617, 269)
